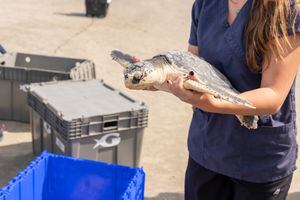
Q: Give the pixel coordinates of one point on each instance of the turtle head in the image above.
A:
(140, 75)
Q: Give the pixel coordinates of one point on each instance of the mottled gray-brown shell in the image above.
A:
(211, 80)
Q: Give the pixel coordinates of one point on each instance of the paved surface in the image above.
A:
(59, 27)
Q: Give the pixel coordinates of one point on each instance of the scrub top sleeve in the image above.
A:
(195, 15)
(297, 21)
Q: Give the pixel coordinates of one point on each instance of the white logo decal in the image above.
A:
(103, 142)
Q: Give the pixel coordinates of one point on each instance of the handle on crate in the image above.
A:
(99, 126)
(110, 125)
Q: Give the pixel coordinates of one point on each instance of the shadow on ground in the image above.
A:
(72, 14)
(169, 196)
(294, 196)
(15, 127)
(12, 159)
(179, 196)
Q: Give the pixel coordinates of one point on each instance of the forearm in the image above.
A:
(277, 80)
(265, 100)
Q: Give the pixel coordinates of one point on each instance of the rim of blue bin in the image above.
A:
(138, 179)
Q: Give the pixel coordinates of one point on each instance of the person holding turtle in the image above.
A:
(256, 45)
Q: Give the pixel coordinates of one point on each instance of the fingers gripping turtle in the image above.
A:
(204, 77)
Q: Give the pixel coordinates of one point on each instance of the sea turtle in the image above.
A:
(166, 66)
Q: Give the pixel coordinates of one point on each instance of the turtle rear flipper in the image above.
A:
(224, 95)
(248, 121)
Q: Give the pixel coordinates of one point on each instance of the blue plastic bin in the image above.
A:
(55, 177)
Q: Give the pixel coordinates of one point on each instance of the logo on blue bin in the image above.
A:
(109, 140)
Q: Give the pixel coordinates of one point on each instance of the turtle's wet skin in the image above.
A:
(169, 65)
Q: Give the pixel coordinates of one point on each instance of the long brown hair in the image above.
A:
(268, 22)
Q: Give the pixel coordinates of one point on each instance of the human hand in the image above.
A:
(199, 100)
(176, 88)
(135, 59)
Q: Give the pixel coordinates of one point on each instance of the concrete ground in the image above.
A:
(59, 27)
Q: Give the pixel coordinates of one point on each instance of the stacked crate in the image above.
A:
(87, 119)
(17, 69)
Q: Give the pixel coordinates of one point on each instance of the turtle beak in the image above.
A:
(135, 80)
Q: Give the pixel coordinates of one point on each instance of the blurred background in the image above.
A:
(142, 28)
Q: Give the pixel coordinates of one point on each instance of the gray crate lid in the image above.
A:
(32, 68)
(83, 99)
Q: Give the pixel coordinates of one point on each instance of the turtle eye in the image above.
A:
(126, 76)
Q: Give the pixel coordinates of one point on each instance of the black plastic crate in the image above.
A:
(19, 68)
(97, 8)
(87, 119)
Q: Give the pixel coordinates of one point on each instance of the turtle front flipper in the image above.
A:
(218, 93)
(123, 59)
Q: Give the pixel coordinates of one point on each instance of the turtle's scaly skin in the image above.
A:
(155, 71)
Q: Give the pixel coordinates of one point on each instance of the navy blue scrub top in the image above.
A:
(217, 141)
